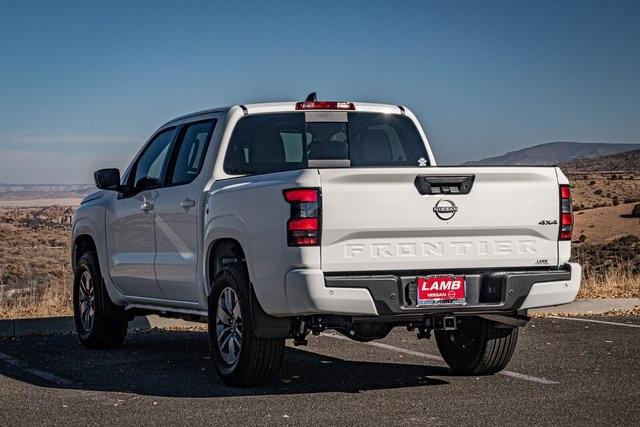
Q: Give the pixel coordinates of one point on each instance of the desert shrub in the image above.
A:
(635, 212)
(592, 183)
(582, 238)
(598, 191)
(608, 195)
(611, 269)
(35, 269)
(613, 177)
(615, 201)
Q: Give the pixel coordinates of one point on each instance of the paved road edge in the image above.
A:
(65, 324)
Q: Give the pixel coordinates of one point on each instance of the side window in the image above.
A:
(192, 150)
(150, 165)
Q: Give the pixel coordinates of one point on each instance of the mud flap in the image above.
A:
(266, 326)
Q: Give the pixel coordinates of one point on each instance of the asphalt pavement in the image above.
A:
(564, 372)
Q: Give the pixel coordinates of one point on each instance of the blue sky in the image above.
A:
(83, 84)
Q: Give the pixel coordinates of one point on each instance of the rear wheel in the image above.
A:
(241, 358)
(99, 322)
(477, 346)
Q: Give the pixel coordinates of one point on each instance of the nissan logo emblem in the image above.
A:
(445, 209)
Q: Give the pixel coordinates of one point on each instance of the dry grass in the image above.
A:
(616, 282)
(54, 300)
(610, 270)
(35, 265)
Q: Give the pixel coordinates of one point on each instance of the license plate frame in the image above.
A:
(442, 293)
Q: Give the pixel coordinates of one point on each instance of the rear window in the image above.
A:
(265, 143)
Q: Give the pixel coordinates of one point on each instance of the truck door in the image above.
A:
(130, 222)
(178, 212)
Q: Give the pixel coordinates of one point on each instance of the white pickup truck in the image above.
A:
(276, 220)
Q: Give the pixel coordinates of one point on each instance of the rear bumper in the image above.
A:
(311, 292)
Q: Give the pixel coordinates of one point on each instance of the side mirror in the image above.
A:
(107, 179)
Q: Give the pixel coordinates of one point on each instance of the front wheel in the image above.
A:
(99, 322)
(478, 346)
(241, 358)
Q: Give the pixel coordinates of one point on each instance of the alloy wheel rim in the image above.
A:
(229, 326)
(86, 301)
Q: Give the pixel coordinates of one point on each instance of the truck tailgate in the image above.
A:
(376, 219)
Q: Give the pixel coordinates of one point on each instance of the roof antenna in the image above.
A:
(312, 97)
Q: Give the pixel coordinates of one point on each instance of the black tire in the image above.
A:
(259, 359)
(109, 325)
(477, 347)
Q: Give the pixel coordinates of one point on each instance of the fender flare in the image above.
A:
(87, 226)
(225, 227)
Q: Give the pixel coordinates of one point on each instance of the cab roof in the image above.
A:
(289, 106)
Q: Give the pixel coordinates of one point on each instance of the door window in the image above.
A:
(150, 166)
(191, 152)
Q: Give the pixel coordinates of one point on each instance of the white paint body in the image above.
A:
(373, 220)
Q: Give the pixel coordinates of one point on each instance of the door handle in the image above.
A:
(188, 203)
(146, 206)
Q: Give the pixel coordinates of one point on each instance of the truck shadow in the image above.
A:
(177, 364)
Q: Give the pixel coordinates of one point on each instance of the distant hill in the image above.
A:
(619, 162)
(554, 153)
(44, 191)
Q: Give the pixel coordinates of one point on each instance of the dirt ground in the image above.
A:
(593, 189)
(601, 225)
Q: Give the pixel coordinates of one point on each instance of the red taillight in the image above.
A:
(301, 195)
(303, 226)
(566, 213)
(324, 105)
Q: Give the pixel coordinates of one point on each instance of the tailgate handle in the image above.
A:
(444, 184)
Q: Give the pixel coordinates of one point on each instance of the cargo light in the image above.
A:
(566, 213)
(303, 226)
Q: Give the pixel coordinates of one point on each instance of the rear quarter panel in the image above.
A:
(252, 210)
